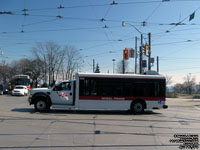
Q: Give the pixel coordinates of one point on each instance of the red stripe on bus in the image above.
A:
(120, 98)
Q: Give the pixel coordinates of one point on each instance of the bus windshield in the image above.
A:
(20, 81)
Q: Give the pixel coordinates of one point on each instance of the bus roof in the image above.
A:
(104, 75)
(22, 76)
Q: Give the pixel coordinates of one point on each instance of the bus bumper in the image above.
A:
(29, 100)
(165, 106)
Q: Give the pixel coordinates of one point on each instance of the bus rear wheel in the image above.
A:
(137, 107)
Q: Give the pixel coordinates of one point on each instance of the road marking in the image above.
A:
(196, 107)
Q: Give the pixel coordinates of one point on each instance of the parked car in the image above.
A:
(20, 90)
(1, 89)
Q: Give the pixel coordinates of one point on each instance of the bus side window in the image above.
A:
(94, 87)
(138, 88)
(128, 85)
(106, 87)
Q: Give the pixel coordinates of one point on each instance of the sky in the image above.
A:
(95, 28)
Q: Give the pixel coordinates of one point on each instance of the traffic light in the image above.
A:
(131, 53)
(125, 54)
(145, 49)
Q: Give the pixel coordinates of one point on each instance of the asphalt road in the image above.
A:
(23, 128)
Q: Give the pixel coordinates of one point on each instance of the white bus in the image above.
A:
(21, 79)
(90, 91)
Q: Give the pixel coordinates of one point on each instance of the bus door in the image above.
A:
(62, 94)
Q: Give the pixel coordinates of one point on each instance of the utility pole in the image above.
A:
(141, 47)
(136, 55)
(157, 64)
(149, 52)
(93, 65)
(113, 65)
(123, 67)
(141, 54)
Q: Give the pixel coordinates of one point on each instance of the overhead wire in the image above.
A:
(25, 14)
(106, 4)
(154, 10)
(41, 22)
(91, 5)
(177, 51)
(177, 24)
(105, 20)
(177, 42)
(107, 11)
(82, 28)
(180, 22)
(53, 30)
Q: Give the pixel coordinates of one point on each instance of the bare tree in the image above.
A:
(197, 88)
(52, 57)
(168, 79)
(178, 88)
(39, 51)
(36, 71)
(73, 61)
(57, 61)
(5, 71)
(189, 83)
(21, 66)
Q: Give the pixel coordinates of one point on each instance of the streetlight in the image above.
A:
(124, 24)
(113, 65)
(2, 54)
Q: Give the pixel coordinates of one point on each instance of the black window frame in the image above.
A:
(122, 87)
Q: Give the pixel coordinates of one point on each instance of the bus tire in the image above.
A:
(137, 107)
(41, 105)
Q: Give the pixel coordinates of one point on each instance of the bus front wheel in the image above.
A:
(137, 107)
(41, 105)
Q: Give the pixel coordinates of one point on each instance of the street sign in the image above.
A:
(152, 60)
(144, 63)
(131, 53)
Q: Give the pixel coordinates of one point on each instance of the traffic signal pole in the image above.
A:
(136, 55)
(93, 65)
(149, 52)
(123, 67)
(157, 64)
(141, 47)
(141, 53)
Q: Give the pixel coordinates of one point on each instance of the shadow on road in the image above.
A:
(30, 110)
(89, 112)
